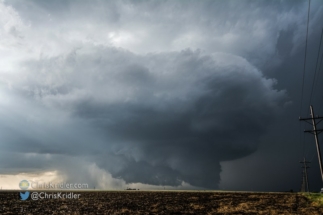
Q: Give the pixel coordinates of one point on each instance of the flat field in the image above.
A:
(161, 202)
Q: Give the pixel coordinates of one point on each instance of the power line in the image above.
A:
(305, 54)
(319, 71)
(320, 67)
(317, 60)
(303, 77)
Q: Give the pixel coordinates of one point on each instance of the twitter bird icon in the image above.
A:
(24, 196)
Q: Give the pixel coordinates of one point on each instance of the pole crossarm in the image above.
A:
(312, 131)
(305, 162)
(317, 117)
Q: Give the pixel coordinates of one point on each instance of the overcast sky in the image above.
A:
(154, 94)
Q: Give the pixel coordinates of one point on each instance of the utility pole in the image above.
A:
(315, 131)
(305, 178)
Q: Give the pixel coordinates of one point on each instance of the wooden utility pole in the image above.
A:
(305, 178)
(315, 131)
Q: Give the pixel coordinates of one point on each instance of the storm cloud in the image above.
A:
(181, 113)
(158, 97)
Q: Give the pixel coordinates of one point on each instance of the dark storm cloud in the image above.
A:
(183, 112)
(81, 94)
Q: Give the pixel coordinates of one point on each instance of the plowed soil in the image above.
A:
(162, 202)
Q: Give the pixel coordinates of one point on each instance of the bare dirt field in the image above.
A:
(161, 202)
